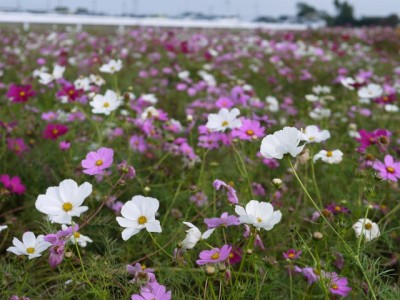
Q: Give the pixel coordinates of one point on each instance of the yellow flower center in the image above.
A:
(337, 208)
(329, 153)
(67, 206)
(55, 131)
(311, 138)
(259, 220)
(143, 267)
(225, 123)
(106, 104)
(291, 255)
(215, 256)
(30, 250)
(142, 220)
(22, 94)
(71, 92)
(385, 98)
(250, 132)
(77, 235)
(390, 169)
(335, 286)
(368, 226)
(99, 162)
(231, 255)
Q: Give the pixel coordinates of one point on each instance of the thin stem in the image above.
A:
(158, 245)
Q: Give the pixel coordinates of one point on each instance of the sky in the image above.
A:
(246, 9)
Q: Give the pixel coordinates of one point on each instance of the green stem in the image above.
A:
(159, 247)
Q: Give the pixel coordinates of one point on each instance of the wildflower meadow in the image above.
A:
(163, 164)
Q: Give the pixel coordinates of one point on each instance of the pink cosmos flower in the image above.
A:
(309, 273)
(20, 93)
(126, 170)
(213, 256)
(141, 273)
(138, 143)
(153, 291)
(232, 197)
(250, 130)
(14, 184)
(225, 220)
(64, 145)
(389, 170)
(224, 102)
(17, 145)
(200, 199)
(54, 131)
(338, 285)
(96, 162)
(292, 254)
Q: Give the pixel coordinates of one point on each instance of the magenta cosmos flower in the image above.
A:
(215, 255)
(250, 130)
(96, 162)
(14, 184)
(292, 254)
(389, 170)
(54, 131)
(20, 93)
(368, 138)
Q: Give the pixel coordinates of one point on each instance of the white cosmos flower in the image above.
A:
(3, 227)
(82, 84)
(259, 214)
(312, 98)
(349, 82)
(321, 89)
(46, 78)
(105, 104)
(81, 239)
(112, 66)
(97, 80)
(30, 245)
(391, 108)
(193, 235)
(312, 134)
(137, 214)
(63, 202)
(273, 104)
(372, 90)
(319, 113)
(330, 157)
(282, 142)
(151, 98)
(223, 120)
(367, 228)
(150, 112)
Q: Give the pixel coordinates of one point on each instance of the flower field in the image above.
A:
(200, 164)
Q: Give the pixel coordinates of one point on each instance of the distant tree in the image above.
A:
(82, 11)
(345, 13)
(62, 10)
(305, 10)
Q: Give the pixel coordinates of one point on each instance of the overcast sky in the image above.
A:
(246, 9)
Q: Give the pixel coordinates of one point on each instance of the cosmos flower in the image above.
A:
(20, 93)
(105, 104)
(151, 291)
(330, 157)
(272, 103)
(337, 285)
(12, 184)
(259, 214)
(137, 214)
(213, 256)
(250, 130)
(312, 134)
(54, 131)
(193, 235)
(389, 169)
(111, 67)
(231, 192)
(292, 254)
(63, 202)
(367, 228)
(97, 161)
(285, 141)
(31, 245)
(225, 119)
(370, 91)
(224, 221)
(46, 78)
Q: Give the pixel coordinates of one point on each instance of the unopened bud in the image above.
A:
(210, 270)
(317, 235)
